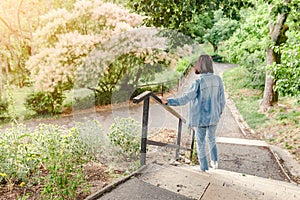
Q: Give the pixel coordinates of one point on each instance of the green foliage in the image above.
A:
(199, 25)
(8, 98)
(245, 97)
(50, 156)
(64, 156)
(175, 14)
(125, 134)
(221, 30)
(182, 65)
(45, 103)
(186, 63)
(287, 74)
(248, 44)
(3, 109)
(92, 136)
(189, 17)
(82, 99)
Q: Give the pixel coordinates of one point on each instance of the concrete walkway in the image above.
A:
(166, 182)
(248, 169)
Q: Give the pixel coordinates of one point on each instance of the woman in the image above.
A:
(207, 101)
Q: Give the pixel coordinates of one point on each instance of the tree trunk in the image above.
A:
(270, 96)
(278, 37)
(215, 47)
(1, 79)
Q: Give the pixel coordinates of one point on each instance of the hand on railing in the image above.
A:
(163, 100)
(145, 96)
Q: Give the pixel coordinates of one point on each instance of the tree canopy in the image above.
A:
(248, 45)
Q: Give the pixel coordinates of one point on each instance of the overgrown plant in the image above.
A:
(45, 103)
(125, 134)
(10, 103)
(3, 109)
(50, 156)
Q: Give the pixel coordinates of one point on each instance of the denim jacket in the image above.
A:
(207, 100)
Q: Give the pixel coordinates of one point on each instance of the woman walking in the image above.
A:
(207, 101)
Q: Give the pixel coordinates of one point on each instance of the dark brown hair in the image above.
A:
(204, 65)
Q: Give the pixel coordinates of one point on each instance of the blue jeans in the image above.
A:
(201, 133)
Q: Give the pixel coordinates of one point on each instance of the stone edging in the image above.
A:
(290, 166)
(113, 185)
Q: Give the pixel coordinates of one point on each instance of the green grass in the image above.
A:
(16, 97)
(280, 125)
(246, 99)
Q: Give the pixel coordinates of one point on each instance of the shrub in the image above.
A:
(93, 136)
(44, 103)
(84, 102)
(186, 63)
(124, 134)
(50, 156)
(182, 65)
(3, 109)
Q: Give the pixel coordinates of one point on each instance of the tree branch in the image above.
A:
(8, 26)
(18, 17)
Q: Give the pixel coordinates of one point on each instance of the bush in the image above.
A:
(84, 102)
(182, 65)
(45, 103)
(186, 63)
(217, 58)
(50, 156)
(103, 98)
(93, 136)
(124, 134)
(4, 109)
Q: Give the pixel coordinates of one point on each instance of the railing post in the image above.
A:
(144, 131)
(178, 138)
(192, 143)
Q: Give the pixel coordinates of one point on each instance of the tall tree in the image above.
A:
(16, 28)
(222, 29)
(190, 17)
(278, 37)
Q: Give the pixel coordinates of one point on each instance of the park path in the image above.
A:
(231, 132)
(245, 159)
(106, 116)
(248, 169)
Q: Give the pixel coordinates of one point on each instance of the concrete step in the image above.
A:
(187, 182)
(217, 184)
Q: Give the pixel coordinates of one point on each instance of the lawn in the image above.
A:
(279, 126)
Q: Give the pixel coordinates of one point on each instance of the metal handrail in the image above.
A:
(145, 97)
(147, 94)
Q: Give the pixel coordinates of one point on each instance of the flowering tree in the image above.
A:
(124, 59)
(65, 38)
(16, 28)
(94, 44)
(99, 45)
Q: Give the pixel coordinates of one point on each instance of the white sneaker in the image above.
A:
(214, 164)
(197, 168)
